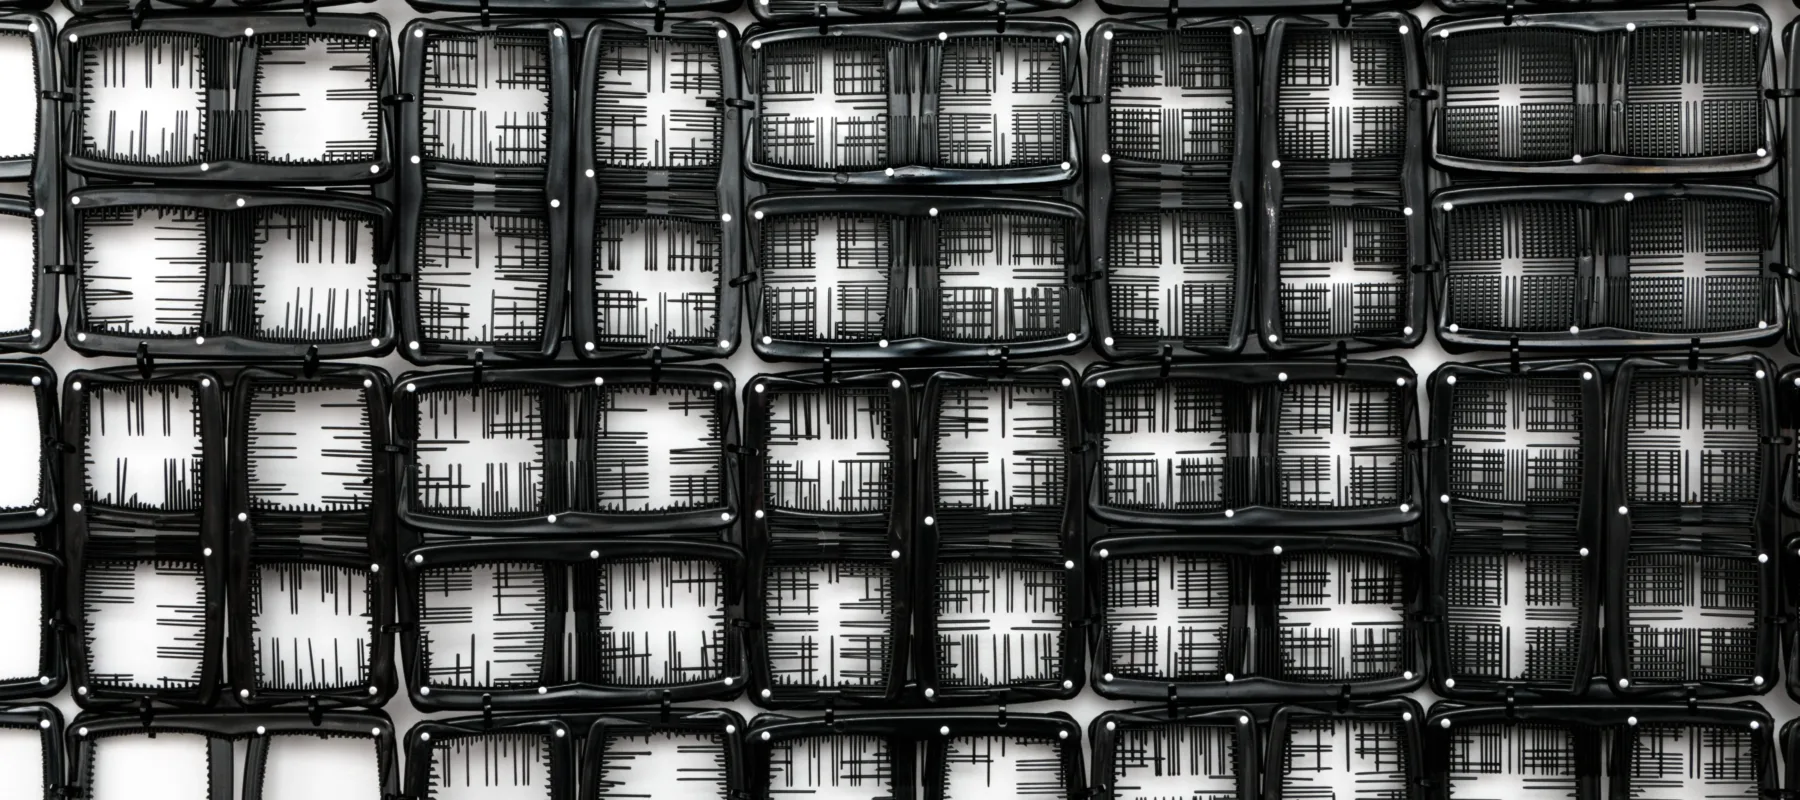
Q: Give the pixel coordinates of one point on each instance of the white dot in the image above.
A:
(1584, 552)
(759, 514)
(1762, 323)
(1630, 26)
(1444, 498)
(1449, 206)
(1229, 513)
(554, 203)
(730, 728)
(1762, 558)
(766, 340)
(1405, 30)
(1576, 159)
(1100, 383)
(1106, 158)
(74, 201)
(372, 343)
(1063, 734)
(1276, 163)
(556, 32)
(1070, 564)
(1237, 205)
(543, 690)
(418, 559)
(943, 36)
(1407, 211)
(1451, 380)
(765, 694)
(757, 45)
(1587, 376)
(1630, 197)
(1758, 680)
(1449, 683)
(1624, 510)
(1760, 374)
(1754, 725)
(1109, 341)
(1237, 30)
(757, 214)
(1624, 682)
(882, 343)
(930, 520)
(933, 212)
(1104, 553)
(1277, 549)
(1066, 166)
(1070, 337)
(243, 516)
(1107, 36)
(758, 388)
(929, 692)
(373, 168)
(1065, 382)
(722, 34)
(1405, 507)
(895, 555)
(1761, 151)
(1445, 724)
(37, 212)
(725, 217)
(1274, 338)
(249, 31)
(1281, 376)
(1107, 677)
(590, 173)
(1230, 677)
(374, 33)
(199, 340)
(1111, 726)
(414, 159)
(412, 387)
(890, 172)
(77, 506)
(240, 202)
(206, 551)
(895, 383)
(1407, 715)
(35, 380)
(1574, 329)
(1407, 674)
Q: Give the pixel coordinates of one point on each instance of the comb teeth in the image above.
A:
(203, 753)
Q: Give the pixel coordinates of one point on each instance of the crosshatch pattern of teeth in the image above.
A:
(1001, 451)
(1001, 102)
(1169, 617)
(1000, 623)
(308, 448)
(1171, 274)
(1692, 617)
(827, 276)
(657, 280)
(1502, 761)
(825, 103)
(1003, 766)
(1344, 759)
(487, 97)
(1199, 762)
(839, 766)
(658, 448)
(1694, 265)
(829, 451)
(1341, 617)
(1673, 761)
(658, 102)
(659, 763)
(1171, 96)
(484, 278)
(145, 621)
(488, 625)
(1001, 277)
(661, 622)
(1513, 94)
(1169, 445)
(1342, 269)
(1694, 439)
(1339, 445)
(1342, 96)
(1514, 266)
(490, 766)
(829, 624)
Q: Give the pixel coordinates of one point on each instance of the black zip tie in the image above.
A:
(1781, 94)
(1085, 99)
(479, 370)
(309, 365)
(396, 99)
(146, 364)
(60, 97)
(743, 279)
(313, 712)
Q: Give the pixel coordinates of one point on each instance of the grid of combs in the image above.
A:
(1630, 266)
(1339, 157)
(956, 102)
(1514, 532)
(1171, 155)
(209, 98)
(659, 162)
(487, 151)
(1604, 92)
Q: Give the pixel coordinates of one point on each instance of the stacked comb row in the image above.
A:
(577, 539)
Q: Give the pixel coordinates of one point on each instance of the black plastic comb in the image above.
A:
(31, 568)
(1000, 488)
(351, 756)
(1691, 510)
(247, 99)
(1297, 444)
(1180, 8)
(145, 535)
(867, 277)
(1341, 167)
(537, 625)
(1170, 189)
(1620, 266)
(912, 103)
(831, 497)
(1515, 531)
(488, 102)
(559, 452)
(29, 222)
(1604, 92)
(485, 277)
(1337, 616)
(31, 751)
(659, 192)
(940, 755)
(316, 526)
(1590, 750)
(254, 274)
